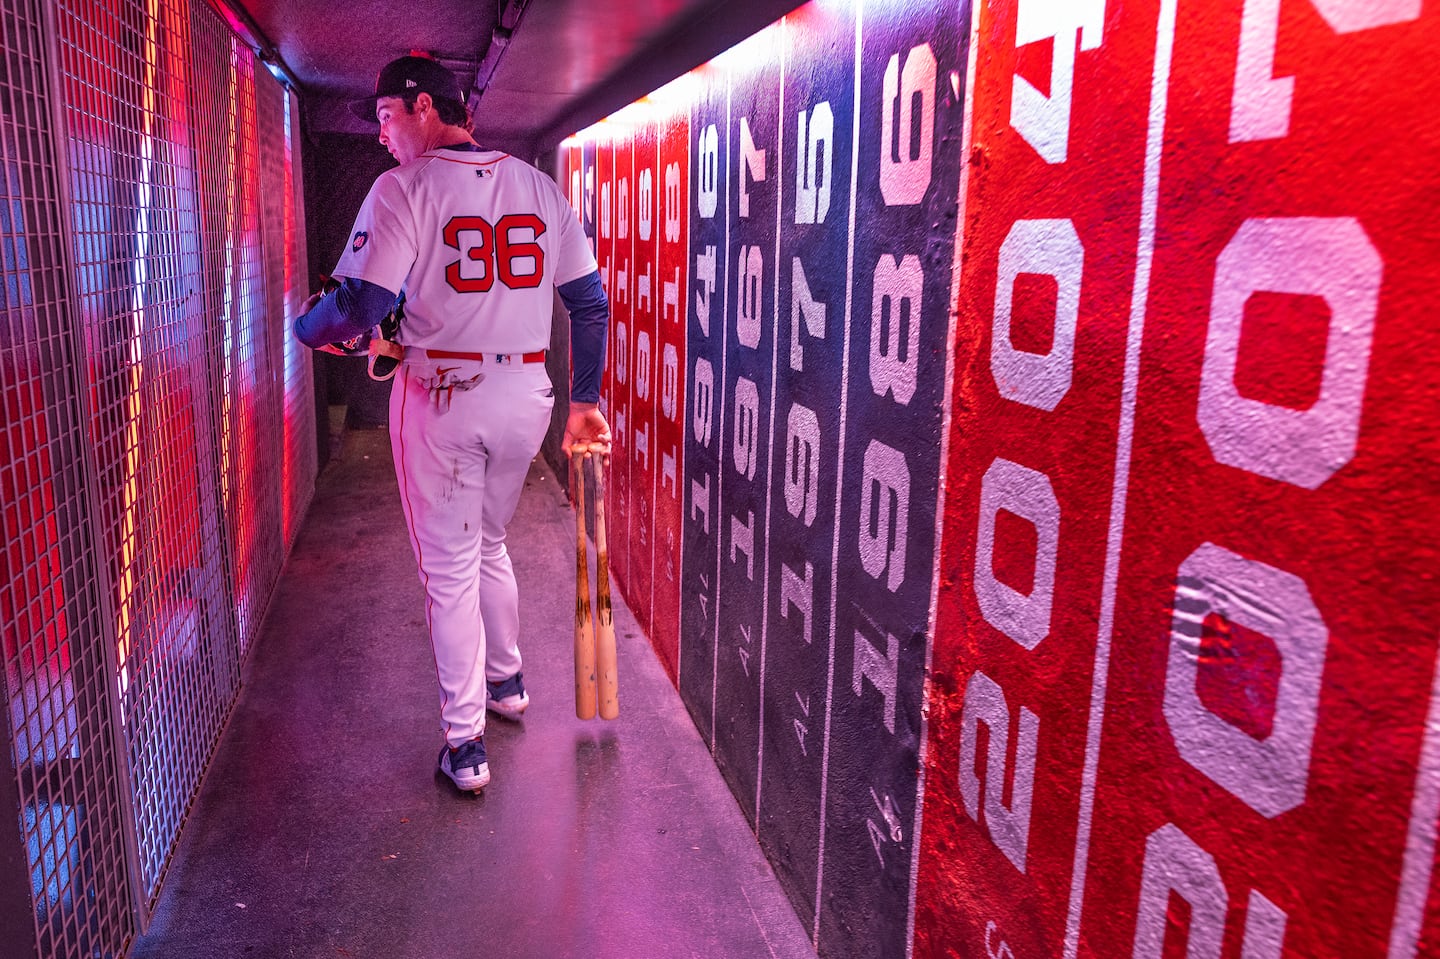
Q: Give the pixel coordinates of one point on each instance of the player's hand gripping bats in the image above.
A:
(595, 655)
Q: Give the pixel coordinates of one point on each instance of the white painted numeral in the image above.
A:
(747, 427)
(669, 477)
(884, 513)
(622, 209)
(802, 464)
(622, 279)
(1330, 258)
(644, 294)
(1261, 104)
(642, 365)
(646, 199)
(703, 410)
(672, 203)
(606, 189)
(742, 540)
(705, 286)
(700, 506)
(1270, 774)
(804, 310)
(1174, 863)
(670, 382)
(907, 134)
(881, 669)
(752, 165)
(798, 592)
(1047, 248)
(895, 327)
(670, 298)
(1264, 928)
(641, 436)
(707, 194)
(1044, 121)
(751, 267)
(622, 352)
(1029, 495)
(589, 191)
(1009, 827)
(813, 166)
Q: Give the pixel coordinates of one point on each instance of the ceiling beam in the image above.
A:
(249, 31)
(504, 32)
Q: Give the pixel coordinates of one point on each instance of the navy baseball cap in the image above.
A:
(407, 76)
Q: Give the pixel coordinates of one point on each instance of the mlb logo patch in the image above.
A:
(484, 172)
(359, 242)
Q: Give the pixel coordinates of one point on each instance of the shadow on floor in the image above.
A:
(324, 830)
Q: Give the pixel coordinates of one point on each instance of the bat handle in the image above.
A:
(584, 624)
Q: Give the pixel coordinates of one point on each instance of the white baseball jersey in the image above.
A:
(478, 241)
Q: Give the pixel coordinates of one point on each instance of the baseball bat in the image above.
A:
(584, 626)
(605, 657)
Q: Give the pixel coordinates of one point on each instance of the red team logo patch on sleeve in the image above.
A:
(359, 242)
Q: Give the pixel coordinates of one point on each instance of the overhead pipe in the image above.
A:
(507, 23)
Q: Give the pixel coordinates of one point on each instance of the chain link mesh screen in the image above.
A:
(157, 449)
(53, 593)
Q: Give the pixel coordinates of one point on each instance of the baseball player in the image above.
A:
(477, 241)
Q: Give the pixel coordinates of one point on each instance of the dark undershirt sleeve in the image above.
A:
(349, 311)
(589, 328)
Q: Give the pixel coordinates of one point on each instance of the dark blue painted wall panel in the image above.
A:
(706, 402)
(754, 175)
(911, 118)
(810, 330)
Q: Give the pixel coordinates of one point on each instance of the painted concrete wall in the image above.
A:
(1074, 595)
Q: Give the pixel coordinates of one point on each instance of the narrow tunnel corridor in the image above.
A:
(323, 828)
(1022, 511)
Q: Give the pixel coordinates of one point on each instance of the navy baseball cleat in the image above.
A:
(507, 697)
(465, 765)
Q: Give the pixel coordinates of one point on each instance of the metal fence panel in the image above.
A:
(157, 445)
(67, 799)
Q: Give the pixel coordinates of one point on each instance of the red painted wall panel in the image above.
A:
(1048, 279)
(1272, 666)
(605, 256)
(672, 194)
(644, 213)
(621, 351)
(1185, 646)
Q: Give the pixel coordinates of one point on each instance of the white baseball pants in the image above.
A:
(463, 434)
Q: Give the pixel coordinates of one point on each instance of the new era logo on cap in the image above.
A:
(406, 77)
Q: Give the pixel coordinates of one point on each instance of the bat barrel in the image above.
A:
(584, 624)
(606, 658)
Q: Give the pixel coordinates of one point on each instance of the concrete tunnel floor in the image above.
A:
(323, 828)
